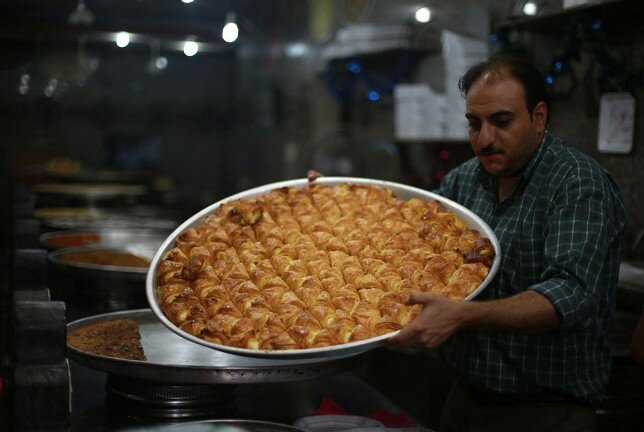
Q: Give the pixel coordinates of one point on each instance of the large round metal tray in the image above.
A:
(400, 190)
(98, 190)
(101, 221)
(140, 249)
(175, 360)
(97, 176)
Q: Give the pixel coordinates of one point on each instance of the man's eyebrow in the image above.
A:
(494, 115)
(502, 113)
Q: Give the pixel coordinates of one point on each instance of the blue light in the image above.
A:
(354, 66)
(549, 79)
(558, 66)
(494, 37)
(373, 95)
(597, 25)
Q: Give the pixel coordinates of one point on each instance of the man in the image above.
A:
(531, 351)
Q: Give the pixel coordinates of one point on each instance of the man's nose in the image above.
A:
(486, 136)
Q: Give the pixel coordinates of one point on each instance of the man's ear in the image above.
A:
(540, 115)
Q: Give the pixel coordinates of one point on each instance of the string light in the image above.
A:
(23, 87)
(157, 62)
(51, 87)
(584, 33)
(342, 81)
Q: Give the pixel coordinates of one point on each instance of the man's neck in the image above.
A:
(505, 186)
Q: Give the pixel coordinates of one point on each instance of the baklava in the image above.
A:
(316, 266)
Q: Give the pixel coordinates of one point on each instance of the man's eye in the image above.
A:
(474, 125)
(502, 122)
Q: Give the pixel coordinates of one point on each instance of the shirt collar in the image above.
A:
(488, 181)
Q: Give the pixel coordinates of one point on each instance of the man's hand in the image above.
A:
(438, 320)
(312, 175)
(529, 312)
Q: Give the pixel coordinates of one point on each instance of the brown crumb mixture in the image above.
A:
(105, 257)
(119, 338)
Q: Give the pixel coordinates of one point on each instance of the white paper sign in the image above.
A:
(616, 123)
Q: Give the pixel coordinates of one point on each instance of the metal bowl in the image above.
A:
(400, 190)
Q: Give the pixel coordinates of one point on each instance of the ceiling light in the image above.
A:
(87, 64)
(187, 1)
(230, 32)
(530, 8)
(23, 87)
(190, 47)
(297, 49)
(157, 62)
(122, 39)
(161, 62)
(51, 87)
(423, 15)
(81, 15)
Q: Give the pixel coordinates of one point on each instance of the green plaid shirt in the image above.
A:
(560, 231)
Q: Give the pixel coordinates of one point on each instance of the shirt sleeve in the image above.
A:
(582, 234)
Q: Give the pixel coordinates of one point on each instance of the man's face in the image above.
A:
(503, 134)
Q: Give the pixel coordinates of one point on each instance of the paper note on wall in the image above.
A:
(616, 123)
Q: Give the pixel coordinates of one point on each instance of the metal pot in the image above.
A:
(109, 237)
(630, 286)
(108, 222)
(89, 289)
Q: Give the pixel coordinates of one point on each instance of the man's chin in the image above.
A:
(494, 169)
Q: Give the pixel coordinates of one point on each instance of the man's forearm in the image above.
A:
(527, 312)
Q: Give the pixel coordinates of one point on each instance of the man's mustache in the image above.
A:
(488, 150)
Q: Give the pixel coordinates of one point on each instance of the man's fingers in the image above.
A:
(313, 175)
(403, 336)
(418, 298)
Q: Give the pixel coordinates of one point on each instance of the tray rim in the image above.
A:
(53, 257)
(335, 350)
(170, 373)
(98, 190)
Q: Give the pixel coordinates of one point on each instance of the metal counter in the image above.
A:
(277, 402)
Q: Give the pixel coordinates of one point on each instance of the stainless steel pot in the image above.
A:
(88, 289)
(146, 239)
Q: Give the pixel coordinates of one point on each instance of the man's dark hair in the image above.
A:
(517, 66)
